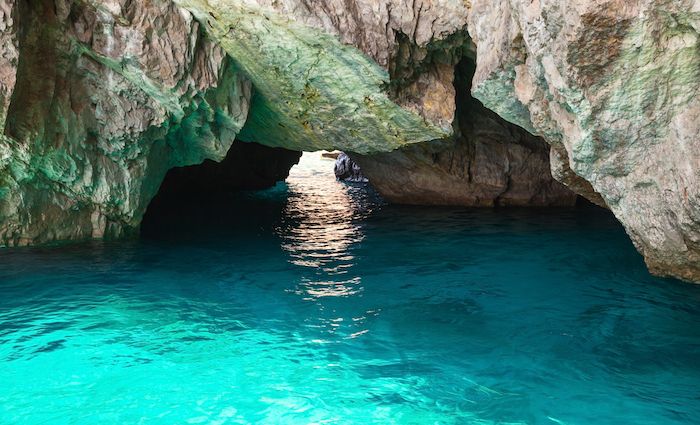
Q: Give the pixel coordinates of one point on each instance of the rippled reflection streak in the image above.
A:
(319, 228)
(371, 314)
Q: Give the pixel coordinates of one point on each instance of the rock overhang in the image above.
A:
(312, 92)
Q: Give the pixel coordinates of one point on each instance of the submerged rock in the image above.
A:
(347, 170)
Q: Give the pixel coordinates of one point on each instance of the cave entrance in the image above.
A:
(210, 197)
(255, 192)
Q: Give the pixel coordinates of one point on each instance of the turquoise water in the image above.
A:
(314, 303)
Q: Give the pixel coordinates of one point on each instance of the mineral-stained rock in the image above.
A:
(419, 42)
(312, 91)
(614, 87)
(489, 162)
(103, 105)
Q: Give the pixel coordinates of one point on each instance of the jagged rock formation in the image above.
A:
(312, 91)
(98, 99)
(488, 162)
(347, 170)
(413, 42)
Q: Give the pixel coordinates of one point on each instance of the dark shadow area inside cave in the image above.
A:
(212, 195)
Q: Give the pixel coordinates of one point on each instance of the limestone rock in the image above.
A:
(411, 39)
(614, 87)
(103, 105)
(489, 162)
(312, 91)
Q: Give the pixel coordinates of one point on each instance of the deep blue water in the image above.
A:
(315, 303)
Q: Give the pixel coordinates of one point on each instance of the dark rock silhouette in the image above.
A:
(347, 170)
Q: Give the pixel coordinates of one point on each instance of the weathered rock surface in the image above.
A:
(614, 87)
(101, 105)
(488, 162)
(411, 39)
(312, 91)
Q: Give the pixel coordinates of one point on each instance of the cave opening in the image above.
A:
(488, 162)
(211, 195)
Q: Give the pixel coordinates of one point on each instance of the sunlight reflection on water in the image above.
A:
(321, 227)
(313, 302)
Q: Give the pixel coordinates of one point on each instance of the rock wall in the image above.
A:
(614, 87)
(488, 162)
(103, 105)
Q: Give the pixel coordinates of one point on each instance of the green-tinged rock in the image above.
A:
(615, 89)
(103, 106)
(311, 91)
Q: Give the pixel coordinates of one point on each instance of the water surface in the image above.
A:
(316, 303)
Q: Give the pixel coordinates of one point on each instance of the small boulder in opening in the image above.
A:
(347, 170)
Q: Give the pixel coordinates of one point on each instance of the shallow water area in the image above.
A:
(315, 302)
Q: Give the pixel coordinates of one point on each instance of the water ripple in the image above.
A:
(314, 302)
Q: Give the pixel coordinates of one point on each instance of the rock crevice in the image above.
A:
(488, 162)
